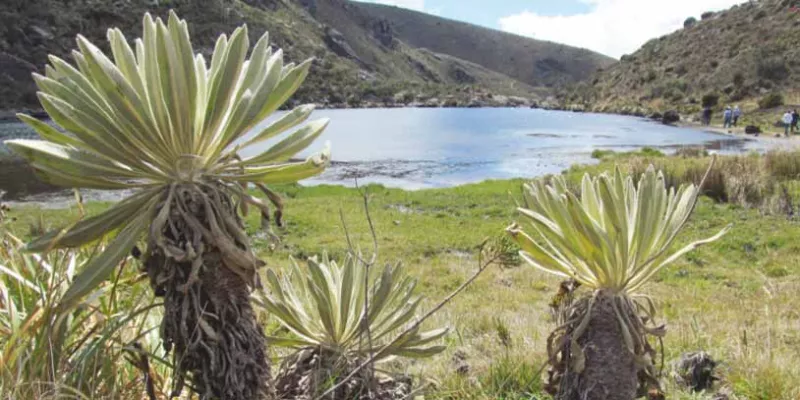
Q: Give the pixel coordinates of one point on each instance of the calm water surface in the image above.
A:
(425, 148)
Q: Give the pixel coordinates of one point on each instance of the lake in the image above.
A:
(415, 148)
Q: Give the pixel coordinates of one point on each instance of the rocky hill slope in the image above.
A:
(364, 55)
(535, 62)
(744, 55)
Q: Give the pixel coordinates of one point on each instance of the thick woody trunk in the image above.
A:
(224, 355)
(208, 322)
(610, 371)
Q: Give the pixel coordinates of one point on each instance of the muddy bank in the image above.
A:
(18, 180)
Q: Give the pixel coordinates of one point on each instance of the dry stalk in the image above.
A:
(367, 266)
(483, 265)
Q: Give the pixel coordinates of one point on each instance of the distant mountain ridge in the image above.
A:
(740, 56)
(365, 54)
(534, 62)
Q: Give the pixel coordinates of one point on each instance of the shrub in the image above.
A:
(651, 76)
(600, 154)
(738, 79)
(689, 22)
(760, 14)
(728, 89)
(772, 69)
(771, 100)
(783, 165)
(710, 100)
(651, 152)
(669, 117)
(691, 152)
(673, 89)
(706, 15)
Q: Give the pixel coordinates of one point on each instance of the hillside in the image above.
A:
(741, 55)
(362, 58)
(534, 62)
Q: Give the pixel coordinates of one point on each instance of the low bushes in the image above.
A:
(710, 100)
(771, 100)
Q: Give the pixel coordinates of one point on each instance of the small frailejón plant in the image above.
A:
(338, 317)
(162, 120)
(612, 240)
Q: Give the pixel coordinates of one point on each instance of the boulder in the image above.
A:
(432, 103)
(382, 31)
(752, 130)
(500, 101)
(656, 116)
(695, 371)
(42, 32)
(403, 97)
(450, 101)
(460, 76)
(476, 103)
(517, 101)
(671, 117)
(338, 44)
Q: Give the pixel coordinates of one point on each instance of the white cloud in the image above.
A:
(612, 27)
(418, 5)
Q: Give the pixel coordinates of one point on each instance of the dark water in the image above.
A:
(423, 148)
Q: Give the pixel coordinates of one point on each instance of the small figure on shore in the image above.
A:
(795, 120)
(707, 116)
(787, 123)
(737, 112)
(727, 117)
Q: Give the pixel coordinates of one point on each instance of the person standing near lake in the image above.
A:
(787, 123)
(737, 112)
(795, 118)
(707, 116)
(727, 117)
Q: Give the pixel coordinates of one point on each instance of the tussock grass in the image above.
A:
(763, 182)
(47, 353)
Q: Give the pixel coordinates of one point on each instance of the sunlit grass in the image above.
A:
(735, 298)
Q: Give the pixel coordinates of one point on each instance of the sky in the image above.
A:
(610, 27)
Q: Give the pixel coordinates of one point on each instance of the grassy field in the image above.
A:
(736, 298)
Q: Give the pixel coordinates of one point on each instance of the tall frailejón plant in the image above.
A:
(612, 239)
(160, 119)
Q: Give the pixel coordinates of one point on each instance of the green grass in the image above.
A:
(736, 298)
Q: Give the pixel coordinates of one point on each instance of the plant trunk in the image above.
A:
(225, 354)
(610, 370)
(308, 373)
(208, 320)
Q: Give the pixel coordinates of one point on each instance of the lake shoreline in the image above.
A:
(774, 140)
(427, 148)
